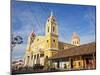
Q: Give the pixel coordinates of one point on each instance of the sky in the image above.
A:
(32, 16)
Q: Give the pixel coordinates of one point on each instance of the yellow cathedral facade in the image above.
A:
(40, 48)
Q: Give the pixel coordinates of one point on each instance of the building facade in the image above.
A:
(76, 58)
(40, 48)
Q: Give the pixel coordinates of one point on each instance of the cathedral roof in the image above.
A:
(76, 51)
(60, 42)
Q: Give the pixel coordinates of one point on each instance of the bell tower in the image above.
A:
(51, 32)
(30, 40)
(29, 54)
(51, 25)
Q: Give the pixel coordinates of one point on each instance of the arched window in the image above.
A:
(47, 41)
(37, 39)
(54, 43)
(53, 28)
(46, 57)
(77, 42)
(53, 40)
(73, 42)
(48, 29)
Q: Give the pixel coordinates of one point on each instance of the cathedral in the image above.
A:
(41, 48)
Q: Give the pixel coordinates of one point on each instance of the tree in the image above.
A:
(16, 40)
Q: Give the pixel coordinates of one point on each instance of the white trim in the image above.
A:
(53, 48)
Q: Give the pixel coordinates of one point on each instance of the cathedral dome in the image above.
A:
(75, 36)
(75, 39)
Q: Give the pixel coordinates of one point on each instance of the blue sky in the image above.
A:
(28, 16)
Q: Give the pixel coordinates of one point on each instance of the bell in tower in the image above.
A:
(51, 32)
(51, 25)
